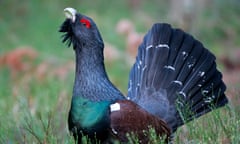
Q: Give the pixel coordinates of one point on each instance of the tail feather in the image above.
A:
(175, 62)
(211, 94)
(185, 69)
(173, 71)
(206, 85)
(198, 72)
(182, 64)
(182, 57)
(176, 42)
(157, 54)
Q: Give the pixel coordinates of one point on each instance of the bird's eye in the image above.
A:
(85, 22)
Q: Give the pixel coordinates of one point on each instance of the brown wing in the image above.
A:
(132, 118)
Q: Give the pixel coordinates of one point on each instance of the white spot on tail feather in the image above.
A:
(138, 66)
(148, 47)
(190, 65)
(143, 69)
(115, 107)
(162, 45)
(170, 67)
(204, 92)
(202, 73)
(182, 93)
(130, 85)
(178, 82)
(209, 99)
(185, 54)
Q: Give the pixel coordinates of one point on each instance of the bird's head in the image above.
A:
(80, 30)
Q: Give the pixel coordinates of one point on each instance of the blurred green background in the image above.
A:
(37, 70)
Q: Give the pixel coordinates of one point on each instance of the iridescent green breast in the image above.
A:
(88, 116)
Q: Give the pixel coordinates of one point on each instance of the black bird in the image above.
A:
(173, 81)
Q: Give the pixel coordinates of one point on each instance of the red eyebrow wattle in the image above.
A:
(86, 22)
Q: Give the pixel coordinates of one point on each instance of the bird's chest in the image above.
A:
(87, 116)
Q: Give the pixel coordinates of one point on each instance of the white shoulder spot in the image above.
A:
(115, 107)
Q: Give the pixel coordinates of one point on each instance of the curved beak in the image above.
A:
(70, 13)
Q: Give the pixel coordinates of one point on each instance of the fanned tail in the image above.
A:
(173, 73)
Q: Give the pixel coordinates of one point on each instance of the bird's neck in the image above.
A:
(91, 80)
(89, 65)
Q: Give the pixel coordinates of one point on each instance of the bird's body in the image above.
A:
(131, 118)
(173, 73)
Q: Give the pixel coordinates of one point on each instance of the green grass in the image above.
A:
(35, 110)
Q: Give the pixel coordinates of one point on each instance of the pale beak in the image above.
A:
(70, 13)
